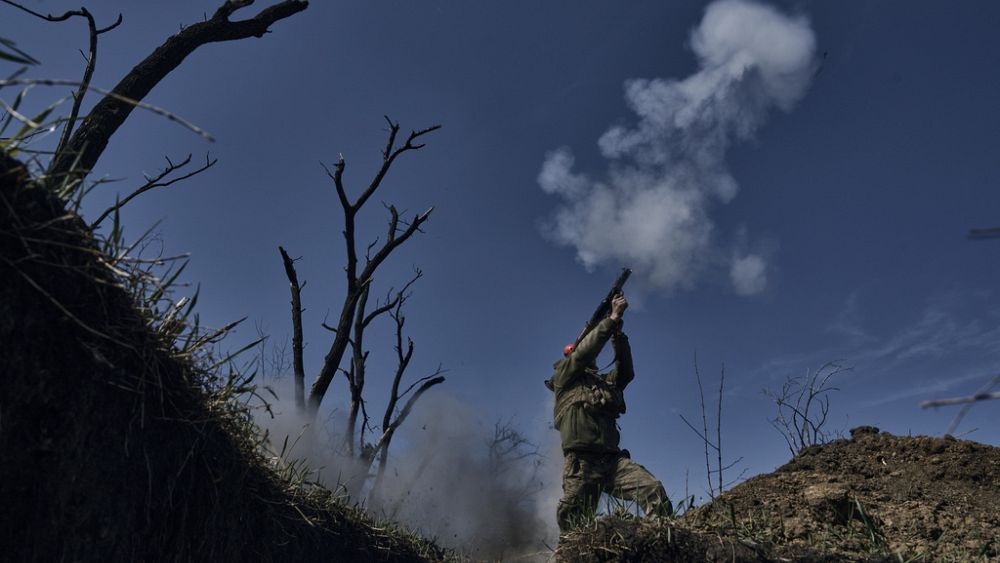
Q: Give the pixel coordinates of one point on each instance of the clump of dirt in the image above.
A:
(873, 497)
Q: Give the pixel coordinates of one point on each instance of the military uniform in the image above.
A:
(586, 408)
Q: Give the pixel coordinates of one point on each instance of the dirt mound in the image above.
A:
(116, 449)
(935, 498)
(873, 497)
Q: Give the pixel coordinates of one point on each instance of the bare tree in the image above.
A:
(714, 488)
(510, 449)
(355, 317)
(359, 277)
(803, 405)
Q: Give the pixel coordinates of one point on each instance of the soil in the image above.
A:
(873, 497)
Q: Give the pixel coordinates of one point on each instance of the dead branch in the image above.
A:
(961, 400)
(157, 182)
(983, 394)
(718, 427)
(508, 447)
(390, 304)
(698, 433)
(440, 370)
(389, 425)
(714, 489)
(359, 360)
(383, 443)
(365, 426)
(984, 234)
(87, 144)
(356, 282)
(704, 420)
(298, 366)
(88, 72)
(49, 17)
(382, 447)
(403, 361)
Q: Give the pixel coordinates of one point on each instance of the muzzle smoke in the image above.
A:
(473, 485)
(651, 210)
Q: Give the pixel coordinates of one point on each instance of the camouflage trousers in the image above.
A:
(586, 475)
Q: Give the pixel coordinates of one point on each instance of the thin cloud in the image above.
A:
(935, 386)
(954, 340)
(849, 321)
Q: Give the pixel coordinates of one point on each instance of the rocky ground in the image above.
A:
(873, 497)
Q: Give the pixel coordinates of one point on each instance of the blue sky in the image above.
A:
(857, 196)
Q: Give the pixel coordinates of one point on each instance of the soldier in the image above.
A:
(587, 406)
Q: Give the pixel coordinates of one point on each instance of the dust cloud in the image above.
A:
(475, 485)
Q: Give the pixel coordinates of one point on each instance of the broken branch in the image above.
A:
(156, 182)
(89, 141)
(297, 363)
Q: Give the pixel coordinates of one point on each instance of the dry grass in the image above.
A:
(126, 433)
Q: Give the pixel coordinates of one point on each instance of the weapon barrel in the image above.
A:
(620, 282)
(605, 307)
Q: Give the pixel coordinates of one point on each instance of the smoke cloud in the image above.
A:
(474, 485)
(651, 210)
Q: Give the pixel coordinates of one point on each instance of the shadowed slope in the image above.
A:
(115, 449)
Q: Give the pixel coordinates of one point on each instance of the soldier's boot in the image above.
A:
(657, 504)
(635, 483)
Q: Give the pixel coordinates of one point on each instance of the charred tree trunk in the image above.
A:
(358, 282)
(84, 148)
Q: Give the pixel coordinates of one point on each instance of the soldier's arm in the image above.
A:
(585, 353)
(590, 347)
(624, 373)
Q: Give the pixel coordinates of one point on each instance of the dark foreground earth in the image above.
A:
(117, 446)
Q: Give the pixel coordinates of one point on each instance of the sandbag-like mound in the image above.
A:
(873, 497)
(113, 448)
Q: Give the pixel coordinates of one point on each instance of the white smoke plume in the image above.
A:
(489, 502)
(651, 211)
(448, 478)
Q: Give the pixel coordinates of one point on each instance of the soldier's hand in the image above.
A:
(618, 306)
